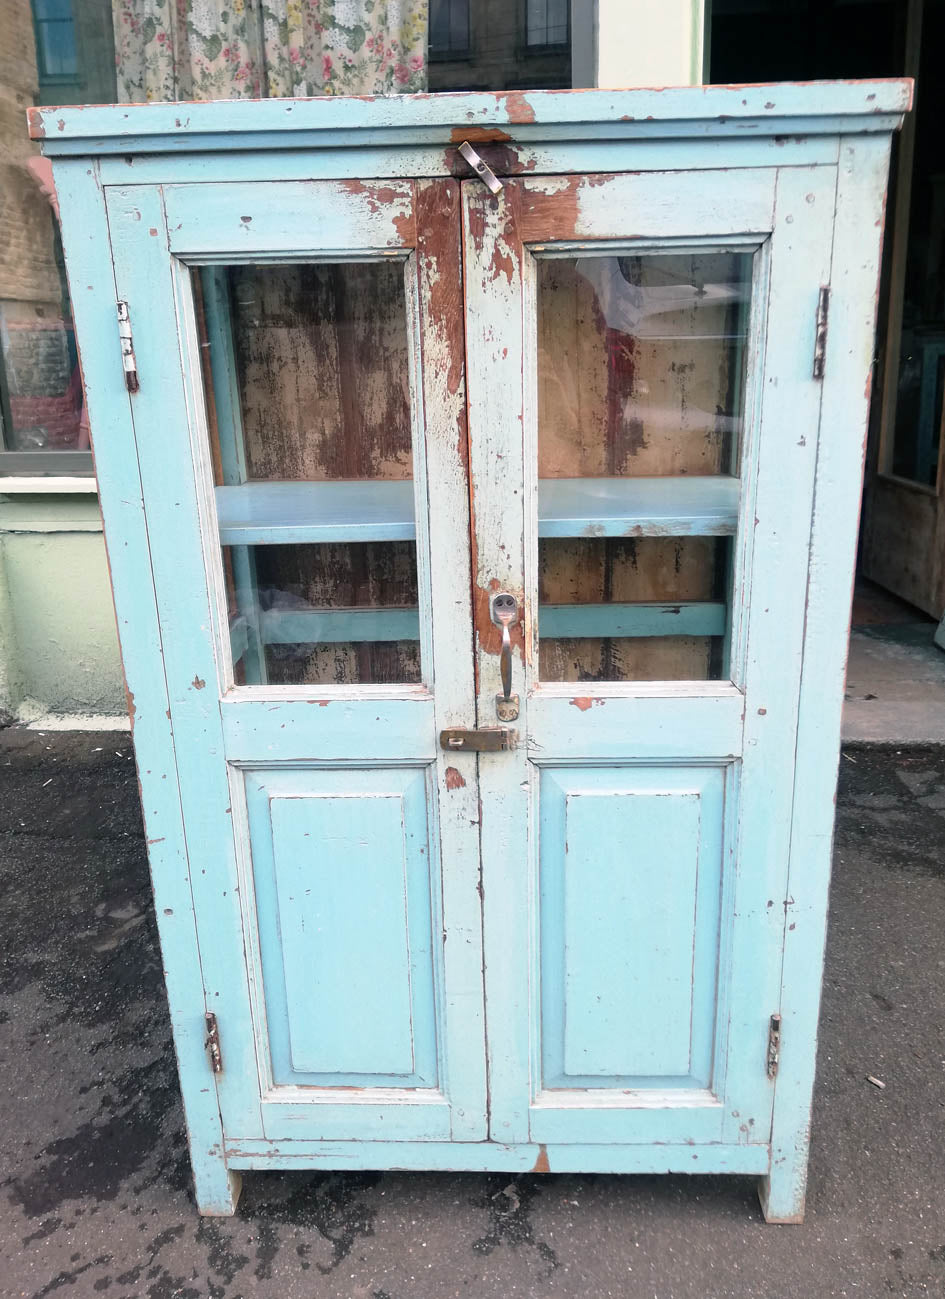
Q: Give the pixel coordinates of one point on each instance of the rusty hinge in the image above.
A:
(820, 338)
(128, 362)
(212, 1043)
(774, 1045)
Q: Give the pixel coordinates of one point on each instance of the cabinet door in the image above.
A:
(643, 434)
(304, 480)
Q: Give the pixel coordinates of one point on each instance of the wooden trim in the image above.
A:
(900, 232)
(396, 120)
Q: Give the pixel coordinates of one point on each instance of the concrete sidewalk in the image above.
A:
(95, 1186)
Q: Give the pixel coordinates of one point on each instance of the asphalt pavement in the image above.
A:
(95, 1194)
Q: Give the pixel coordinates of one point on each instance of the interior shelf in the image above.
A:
(330, 626)
(265, 514)
(256, 514)
(637, 507)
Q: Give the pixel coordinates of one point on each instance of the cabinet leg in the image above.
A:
(217, 1188)
(783, 1191)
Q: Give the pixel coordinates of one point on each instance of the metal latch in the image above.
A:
(212, 1043)
(774, 1045)
(128, 362)
(486, 739)
(482, 169)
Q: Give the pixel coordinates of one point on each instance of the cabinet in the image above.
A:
(482, 565)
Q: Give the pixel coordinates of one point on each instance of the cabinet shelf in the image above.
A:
(281, 514)
(637, 507)
(331, 626)
(257, 514)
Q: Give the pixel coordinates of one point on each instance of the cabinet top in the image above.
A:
(685, 112)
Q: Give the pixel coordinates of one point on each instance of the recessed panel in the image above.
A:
(341, 885)
(344, 905)
(630, 883)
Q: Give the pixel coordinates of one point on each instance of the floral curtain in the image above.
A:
(247, 49)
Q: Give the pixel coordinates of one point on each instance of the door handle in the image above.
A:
(504, 612)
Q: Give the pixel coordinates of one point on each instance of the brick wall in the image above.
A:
(28, 269)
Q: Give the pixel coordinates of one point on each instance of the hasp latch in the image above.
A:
(484, 739)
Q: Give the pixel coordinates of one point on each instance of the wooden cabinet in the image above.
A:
(482, 564)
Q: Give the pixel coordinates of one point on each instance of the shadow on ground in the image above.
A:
(96, 1192)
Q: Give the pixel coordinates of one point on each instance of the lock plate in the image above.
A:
(487, 739)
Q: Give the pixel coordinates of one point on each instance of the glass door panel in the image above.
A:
(308, 391)
(641, 377)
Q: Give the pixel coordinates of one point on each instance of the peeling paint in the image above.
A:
(584, 702)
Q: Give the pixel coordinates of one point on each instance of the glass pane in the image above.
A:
(338, 614)
(632, 609)
(641, 379)
(308, 398)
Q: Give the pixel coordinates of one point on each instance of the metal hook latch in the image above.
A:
(504, 613)
(482, 169)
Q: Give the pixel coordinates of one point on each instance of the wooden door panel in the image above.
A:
(630, 889)
(680, 434)
(344, 891)
(364, 1028)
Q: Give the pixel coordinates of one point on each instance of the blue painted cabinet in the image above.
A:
(482, 558)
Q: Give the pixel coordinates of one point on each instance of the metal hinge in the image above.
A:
(820, 338)
(774, 1045)
(128, 362)
(212, 1043)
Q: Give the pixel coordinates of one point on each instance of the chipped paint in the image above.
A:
(381, 198)
(454, 779)
(479, 135)
(584, 702)
(542, 1164)
(518, 106)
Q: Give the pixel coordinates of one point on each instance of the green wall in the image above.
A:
(58, 644)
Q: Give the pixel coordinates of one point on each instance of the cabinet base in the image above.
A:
(780, 1192)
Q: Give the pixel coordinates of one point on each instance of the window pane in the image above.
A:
(310, 420)
(449, 26)
(641, 383)
(52, 9)
(547, 22)
(57, 52)
(44, 387)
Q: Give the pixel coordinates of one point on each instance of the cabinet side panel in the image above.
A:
(85, 239)
(854, 285)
